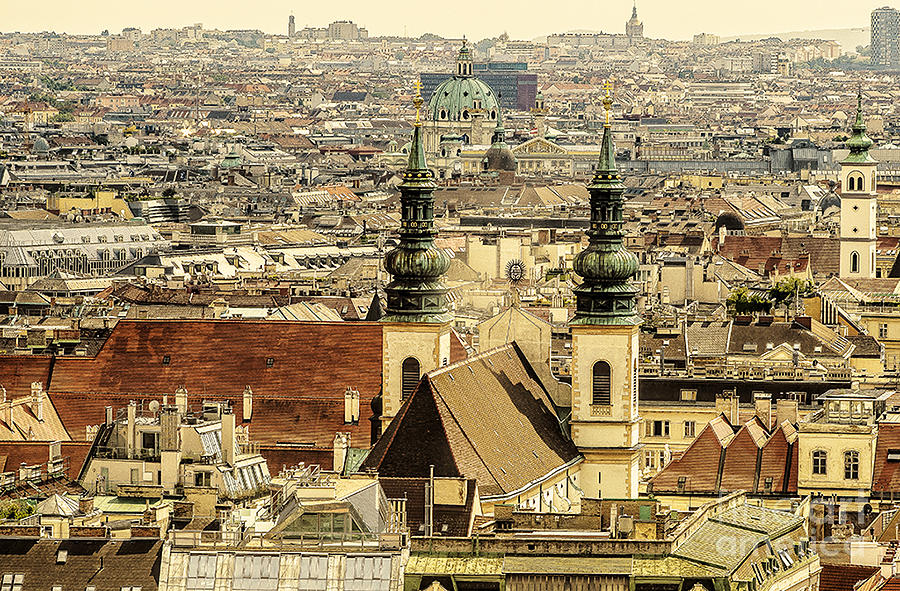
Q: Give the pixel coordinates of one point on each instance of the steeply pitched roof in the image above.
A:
(488, 418)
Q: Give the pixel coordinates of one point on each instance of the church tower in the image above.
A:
(605, 331)
(416, 333)
(858, 203)
(634, 28)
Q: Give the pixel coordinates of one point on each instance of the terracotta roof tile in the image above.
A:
(886, 473)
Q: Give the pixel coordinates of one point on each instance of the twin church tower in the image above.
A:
(605, 329)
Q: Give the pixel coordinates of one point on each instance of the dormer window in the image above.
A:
(270, 362)
(166, 359)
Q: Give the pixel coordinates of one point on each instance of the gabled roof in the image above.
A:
(744, 460)
(488, 418)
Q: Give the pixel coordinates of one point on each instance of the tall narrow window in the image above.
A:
(409, 377)
(851, 465)
(601, 383)
(854, 262)
(819, 462)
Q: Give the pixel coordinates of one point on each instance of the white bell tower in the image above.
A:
(859, 206)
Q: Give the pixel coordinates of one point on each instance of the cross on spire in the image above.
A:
(418, 101)
(607, 100)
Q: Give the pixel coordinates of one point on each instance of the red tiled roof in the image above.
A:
(842, 577)
(279, 457)
(773, 252)
(696, 462)
(742, 462)
(300, 398)
(19, 452)
(18, 371)
(886, 474)
(221, 357)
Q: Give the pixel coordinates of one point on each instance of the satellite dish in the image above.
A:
(154, 405)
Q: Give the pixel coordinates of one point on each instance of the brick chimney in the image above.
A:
(728, 403)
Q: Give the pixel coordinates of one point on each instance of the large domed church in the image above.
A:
(463, 110)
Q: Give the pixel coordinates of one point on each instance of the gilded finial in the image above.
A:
(607, 100)
(418, 101)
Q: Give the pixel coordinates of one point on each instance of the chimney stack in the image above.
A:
(248, 405)
(728, 404)
(228, 437)
(37, 400)
(351, 406)
(763, 403)
(341, 445)
(181, 400)
(786, 410)
(130, 428)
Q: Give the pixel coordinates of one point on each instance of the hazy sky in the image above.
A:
(523, 19)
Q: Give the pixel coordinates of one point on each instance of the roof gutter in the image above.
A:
(505, 496)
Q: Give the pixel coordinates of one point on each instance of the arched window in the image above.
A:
(409, 377)
(855, 182)
(820, 462)
(465, 115)
(854, 262)
(443, 113)
(851, 465)
(493, 114)
(600, 386)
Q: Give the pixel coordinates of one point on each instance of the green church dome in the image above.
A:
(455, 99)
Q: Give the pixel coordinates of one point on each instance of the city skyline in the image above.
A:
(662, 19)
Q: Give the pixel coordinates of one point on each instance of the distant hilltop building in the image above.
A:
(634, 28)
(336, 31)
(634, 33)
(885, 37)
(706, 39)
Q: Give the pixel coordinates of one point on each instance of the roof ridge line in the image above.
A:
(441, 370)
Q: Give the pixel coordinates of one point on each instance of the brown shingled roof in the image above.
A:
(488, 418)
(743, 461)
